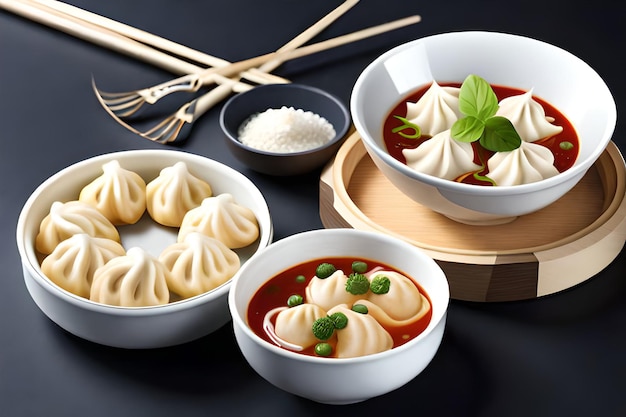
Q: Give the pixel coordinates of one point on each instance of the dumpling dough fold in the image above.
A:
(528, 163)
(294, 325)
(362, 336)
(118, 193)
(442, 156)
(136, 279)
(74, 261)
(528, 117)
(329, 292)
(402, 305)
(436, 110)
(198, 264)
(71, 218)
(173, 193)
(223, 218)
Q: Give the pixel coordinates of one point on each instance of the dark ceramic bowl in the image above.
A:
(240, 107)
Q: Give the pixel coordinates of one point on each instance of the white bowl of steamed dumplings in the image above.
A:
(552, 74)
(340, 380)
(152, 236)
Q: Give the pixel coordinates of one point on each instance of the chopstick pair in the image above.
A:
(120, 105)
(174, 127)
(148, 47)
(126, 39)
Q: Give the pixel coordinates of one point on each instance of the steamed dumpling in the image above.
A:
(528, 163)
(71, 218)
(294, 324)
(198, 264)
(74, 261)
(401, 305)
(136, 279)
(223, 218)
(442, 156)
(329, 292)
(528, 117)
(173, 193)
(118, 193)
(362, 336)
(436, 110)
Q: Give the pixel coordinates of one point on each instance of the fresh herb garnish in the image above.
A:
(479, 104)
(483, 178)
(380, 284)
(417, 132)
(323, 328)
(339, 319)
(357, 284)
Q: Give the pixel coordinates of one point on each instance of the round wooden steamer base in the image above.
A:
(535, 255)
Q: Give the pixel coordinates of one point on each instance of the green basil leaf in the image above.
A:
(477, 99)
(500, 135)
(467, 129)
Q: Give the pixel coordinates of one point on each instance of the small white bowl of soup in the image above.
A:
(145, 279)
(556, 102)
(339, 316)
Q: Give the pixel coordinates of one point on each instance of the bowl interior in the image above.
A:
(67, 183)
(305, 246)
(553, 74)
(243, 105)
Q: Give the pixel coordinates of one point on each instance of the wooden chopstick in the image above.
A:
(310, 32)
(105, 37)
(236, 67)
(98, 36)
(154, 41)
(260, 75)
(214, 96)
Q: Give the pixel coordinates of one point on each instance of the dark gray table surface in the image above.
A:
(558, 355)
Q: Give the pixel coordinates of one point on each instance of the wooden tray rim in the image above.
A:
(615, 210)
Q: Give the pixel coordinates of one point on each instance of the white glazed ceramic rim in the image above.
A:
(579, 168)
(439, 312)
(31, 264)
(340, 131)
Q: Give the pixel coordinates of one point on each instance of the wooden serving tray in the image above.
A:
(538, 254)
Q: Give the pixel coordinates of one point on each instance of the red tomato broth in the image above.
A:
(276, 291)
(563, 159)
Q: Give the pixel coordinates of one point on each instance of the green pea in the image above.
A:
(323, 349)
(323, 328)
(360, 308)
(339, 319)
(300, 279)
(294, 300)
(324, 270)
(380, 284)
(359, 267)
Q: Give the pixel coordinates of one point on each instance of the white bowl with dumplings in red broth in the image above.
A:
(482, 127)
(339, 316)
(136, 249)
